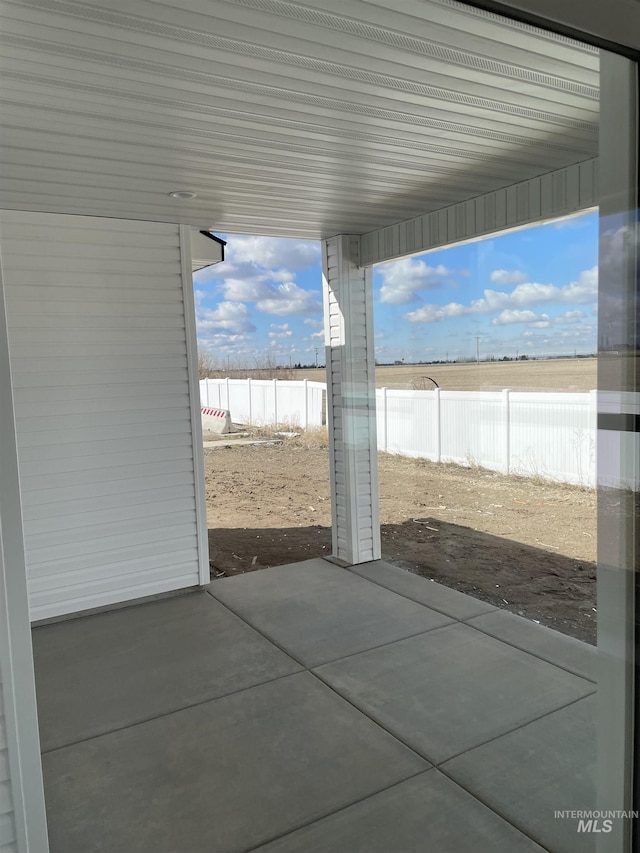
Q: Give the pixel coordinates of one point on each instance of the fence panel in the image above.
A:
(408, 422)
(473, 427)
(549, 434)
(266, 402)
(553, 436)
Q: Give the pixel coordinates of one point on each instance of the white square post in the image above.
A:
(351, 401)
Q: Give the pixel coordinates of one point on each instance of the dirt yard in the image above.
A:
(525, 545)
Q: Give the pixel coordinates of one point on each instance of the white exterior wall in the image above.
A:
(351, 401)
(99, 353)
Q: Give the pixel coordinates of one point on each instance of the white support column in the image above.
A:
(351, 401)
(23, 826)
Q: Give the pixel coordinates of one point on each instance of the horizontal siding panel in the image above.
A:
(94, 488)
(101, 461)
(103, 367)
(22, 236)
(114, 266)
(103, 374)
(162, 349)
(100, 278)
(97, 337)
(17, 222)
(87, 251)
(63, 314)
(116, 396)
(89, 448)
(166, 554)
(21, 306)
(98, 540)
(55, 524)
(98, 348)
(33, 482)
(110, 323)
(97, 292)
(49, 590)
(44, 609)
(130, 416)
(126, 432)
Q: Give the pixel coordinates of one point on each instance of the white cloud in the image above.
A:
(227, 317)
(508, 277)
(570, 317)
(514, 316)
(403, 280)
(272, 252)
(261, 270)
(250, 288)
(280, 332)
(522, 297)
(316, 324)
(288, 298)
(282, 298)
(430, 313)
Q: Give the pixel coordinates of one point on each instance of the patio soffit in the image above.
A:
(284, 118)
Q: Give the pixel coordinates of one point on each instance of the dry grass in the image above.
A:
(312, 438)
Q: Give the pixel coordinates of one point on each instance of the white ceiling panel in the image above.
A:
(285, 118)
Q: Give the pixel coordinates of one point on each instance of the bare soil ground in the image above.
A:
(525, 545)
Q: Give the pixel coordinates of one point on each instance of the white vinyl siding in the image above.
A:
(351, 405)
(559, 193)
(99, 356)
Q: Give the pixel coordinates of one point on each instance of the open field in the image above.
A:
(561, 374)
(526, 545)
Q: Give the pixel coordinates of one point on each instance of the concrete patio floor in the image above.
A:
(314, 708)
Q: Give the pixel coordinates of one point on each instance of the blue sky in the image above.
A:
(532, 291)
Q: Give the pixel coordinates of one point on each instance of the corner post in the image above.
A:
(351, 401)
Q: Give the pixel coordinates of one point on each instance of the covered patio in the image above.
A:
(309, 707)
(334, 705)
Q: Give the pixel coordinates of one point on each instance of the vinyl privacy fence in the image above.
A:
(267, 402)
(546, 434)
